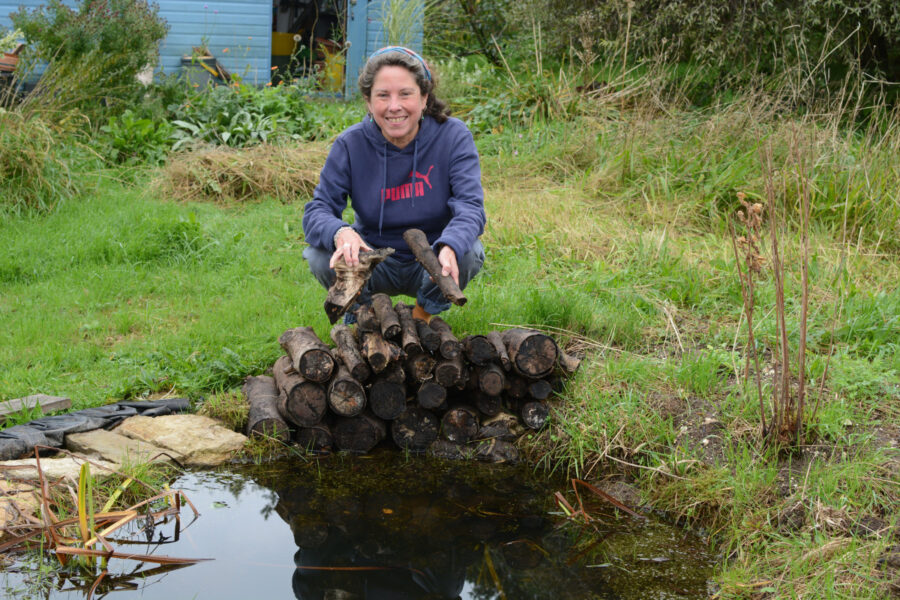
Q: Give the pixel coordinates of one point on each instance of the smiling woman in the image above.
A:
(407, 165)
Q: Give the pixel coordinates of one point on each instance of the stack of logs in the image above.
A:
(415, 381)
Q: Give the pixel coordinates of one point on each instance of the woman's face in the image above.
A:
(396, 104)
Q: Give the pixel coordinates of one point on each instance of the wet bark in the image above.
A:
(387, 317)
(358, 434)
(347, 348)
(532, 353)
(346, 394)
(300, 402)
(264, 420)
(415, 429)
(421, 249)
(310, 357)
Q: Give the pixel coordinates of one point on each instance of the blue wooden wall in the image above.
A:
(239, 32)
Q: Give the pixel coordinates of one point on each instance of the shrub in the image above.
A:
(129, 139)
(92, 52)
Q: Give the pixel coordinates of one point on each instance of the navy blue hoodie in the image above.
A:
(433, 184)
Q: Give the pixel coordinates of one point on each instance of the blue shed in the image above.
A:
(250, 38)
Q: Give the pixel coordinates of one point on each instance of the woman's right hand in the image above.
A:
(348, 244)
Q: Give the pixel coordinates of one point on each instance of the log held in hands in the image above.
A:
(349, 281)
(420, 247)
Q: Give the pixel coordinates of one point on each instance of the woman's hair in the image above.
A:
(402, 57)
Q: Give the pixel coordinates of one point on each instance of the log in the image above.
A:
(448, 372)
(497, 340)
(450, 346)
(394, 373)
(449, 450)
(349, 281)
(516, 386)
(377, 350)
(415, 429)
(503, 426)
(459, 424)
(317, 439)
(534, 414)
(428, 337)
(310, 357)
(421, 249)
(532, 353)
(539, 389)
(358, 434)
(497, 451)
(479, 350)
(409, 335)
(387, 318)
(346, 395)
(491, 380)
(300, 402)
(366, 319)
(431, 395)
(264, 420)
(347, 349)
(568, 363)
(488, 405)
(387, 398)
(420, 365)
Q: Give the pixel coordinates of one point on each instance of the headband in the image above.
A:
(406, 51)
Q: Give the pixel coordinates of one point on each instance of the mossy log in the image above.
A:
(387, 316)
(532, 353)
(346, 394)
(460, 424)
(431, 395)
(479, 350)
(300, 402)
(358, 434)
(415, 429)
(264, 419)
(534, 414)
(310, 357)
(450, 347)
(347, 349)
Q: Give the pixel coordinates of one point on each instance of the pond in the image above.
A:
(389, 526)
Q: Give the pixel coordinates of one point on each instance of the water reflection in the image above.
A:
(384, 526)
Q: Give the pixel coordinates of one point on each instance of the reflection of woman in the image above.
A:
(407, 165)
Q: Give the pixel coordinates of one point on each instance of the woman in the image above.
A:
(407, 165)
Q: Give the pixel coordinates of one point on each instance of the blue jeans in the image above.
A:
(393, 277)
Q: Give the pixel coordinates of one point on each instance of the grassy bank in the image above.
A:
(610, 231)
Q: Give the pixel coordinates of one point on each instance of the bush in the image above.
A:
(737, 39)
(93, 52)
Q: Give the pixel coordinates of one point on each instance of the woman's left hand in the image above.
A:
(449, 266)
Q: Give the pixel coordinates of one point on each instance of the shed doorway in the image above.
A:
(308, 38)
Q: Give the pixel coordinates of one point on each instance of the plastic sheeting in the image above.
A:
(20, 440)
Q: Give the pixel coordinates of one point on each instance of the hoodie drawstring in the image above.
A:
(412, 181)
(384, 189)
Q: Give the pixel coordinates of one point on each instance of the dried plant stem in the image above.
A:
(748, 294)
(804, 286)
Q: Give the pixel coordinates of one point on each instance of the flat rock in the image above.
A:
(201, 441)
(117, 448)
(63, 467)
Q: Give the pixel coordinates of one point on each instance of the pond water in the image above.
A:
(387, 526)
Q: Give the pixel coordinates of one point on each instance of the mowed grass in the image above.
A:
(611, 233)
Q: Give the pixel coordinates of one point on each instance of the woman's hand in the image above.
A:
(348, 244)
(449, 266)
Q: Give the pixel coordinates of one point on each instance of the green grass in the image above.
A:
(609, 231)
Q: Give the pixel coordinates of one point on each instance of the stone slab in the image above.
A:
(200, 440)
(47, 404)
(117, 448)
(64, 467)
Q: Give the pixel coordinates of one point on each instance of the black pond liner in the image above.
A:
(19, 440)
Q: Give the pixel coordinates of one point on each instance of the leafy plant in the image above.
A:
(132, 140)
